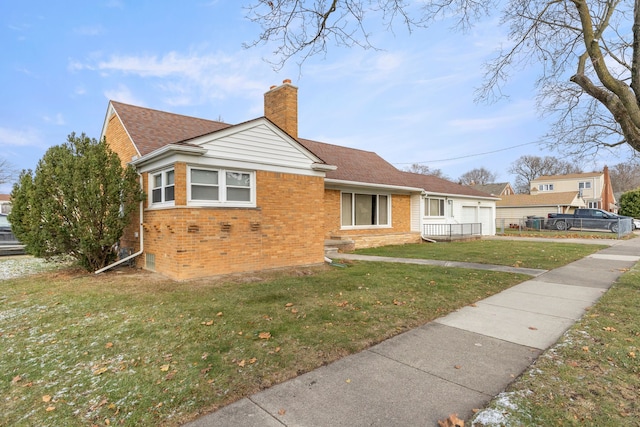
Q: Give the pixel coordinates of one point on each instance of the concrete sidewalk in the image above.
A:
(451, 365)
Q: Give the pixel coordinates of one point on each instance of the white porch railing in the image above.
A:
(452, 230)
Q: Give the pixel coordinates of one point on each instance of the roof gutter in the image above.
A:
(110, 266)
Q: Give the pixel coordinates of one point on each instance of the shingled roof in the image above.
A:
(367, 167)
(152, 129)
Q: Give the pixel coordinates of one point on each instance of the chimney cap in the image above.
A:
(286, 81)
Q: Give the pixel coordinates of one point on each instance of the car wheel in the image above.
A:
(561, 225)
(614, 228)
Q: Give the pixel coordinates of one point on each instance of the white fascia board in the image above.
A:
(171, 150)
(208, 161)
(337, 183)
(460, 196)
(323, 167)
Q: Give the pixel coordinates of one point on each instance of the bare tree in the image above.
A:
(625, 177)
(588, 52)
(527, 168)
(480, 176)
(8, 172)
(425, 170)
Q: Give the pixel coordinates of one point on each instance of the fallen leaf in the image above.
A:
(294, 311)
(632, 354)
(204, 356)
(50, 408)
(108, 345)
(533, 328)
(16, 379)
(458, 367)
(46, 398)
(100, 371)
(585, 349)
(452, 421)
(164, 368)
(572, 363)
(282, 412)
(241, 363)
(219, 314)
(264, 335)
(253, 360)
(609, 329)
(159, 405)
(207, 323)
(342, 304)
(289, 304)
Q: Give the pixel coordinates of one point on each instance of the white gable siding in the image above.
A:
(258, 145)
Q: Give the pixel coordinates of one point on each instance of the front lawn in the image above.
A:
(132, 348)
(544, 255)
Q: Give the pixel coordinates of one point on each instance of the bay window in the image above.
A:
(163, 187)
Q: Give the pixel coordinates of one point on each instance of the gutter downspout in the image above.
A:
(110, 266)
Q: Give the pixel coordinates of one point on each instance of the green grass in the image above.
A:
(591, 377)
(544, 255)
(132, 349)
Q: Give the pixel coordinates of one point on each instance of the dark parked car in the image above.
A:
(589, 218)
(6, 235)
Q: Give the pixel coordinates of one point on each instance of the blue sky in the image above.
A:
(410, 101)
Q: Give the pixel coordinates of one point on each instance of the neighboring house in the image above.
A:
(234, 198)
(510, 210)
(5, 203)
(497, 189)
(594, 188)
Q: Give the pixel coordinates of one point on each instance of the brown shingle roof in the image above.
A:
(367, 167)
(547, 199)
(493, 189)
(5, 197)
(152, 129)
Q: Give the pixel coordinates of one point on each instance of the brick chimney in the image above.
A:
(608, 199)
(281, 107)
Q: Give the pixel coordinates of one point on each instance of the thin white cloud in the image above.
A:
(180, 79)
(20, 138)
(511, 115)
(89, 30)
(58, 119)
(123, 94)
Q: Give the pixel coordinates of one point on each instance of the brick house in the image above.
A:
(253, 196)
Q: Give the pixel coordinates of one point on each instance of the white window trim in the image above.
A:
(366, 227)
(152, 187)
(426, 210)
(222, 188)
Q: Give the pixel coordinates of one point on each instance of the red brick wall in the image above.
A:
(284, 230)
(399, 232)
